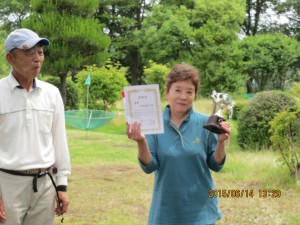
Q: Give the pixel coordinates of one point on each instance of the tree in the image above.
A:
(200, 34)
(122, 19)
(217, 25)
(188, 3)
(13, 12)
(166, 36)
(291, 10)
(257, 19)
(76, 38)
(268, 58)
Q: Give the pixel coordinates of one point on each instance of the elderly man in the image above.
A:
(34, 162)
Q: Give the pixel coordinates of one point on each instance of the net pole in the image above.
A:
(90, 119)
(87, 98)
(87, 107)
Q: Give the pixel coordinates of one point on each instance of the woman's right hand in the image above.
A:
(2, 212)
(134, 131)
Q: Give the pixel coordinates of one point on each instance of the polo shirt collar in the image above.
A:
(13, 83)
(167, 111)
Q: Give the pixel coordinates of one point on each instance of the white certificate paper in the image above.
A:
(143, 104)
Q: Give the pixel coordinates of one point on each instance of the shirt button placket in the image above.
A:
(28, 112)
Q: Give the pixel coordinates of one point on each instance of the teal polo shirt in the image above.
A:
(182, 159)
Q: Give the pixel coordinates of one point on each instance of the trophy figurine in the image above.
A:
(222, 100)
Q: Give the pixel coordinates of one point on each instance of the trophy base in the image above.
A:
(213, 124)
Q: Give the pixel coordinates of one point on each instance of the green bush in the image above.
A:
(285, 134)
(237, 109)
(72, 91)
(156, 74)
(285, 138)
(106, 86)
(253, 120)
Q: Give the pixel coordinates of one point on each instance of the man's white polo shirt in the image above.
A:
(32, 128)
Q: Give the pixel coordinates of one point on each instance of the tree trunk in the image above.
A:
(63, 87)
(134, 66)
(247, 22)
(297, 174)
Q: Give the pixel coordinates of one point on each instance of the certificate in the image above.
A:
(142, 104)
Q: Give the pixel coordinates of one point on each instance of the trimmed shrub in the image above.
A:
(237, 109)
(253, 120)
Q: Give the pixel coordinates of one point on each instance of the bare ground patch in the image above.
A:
(120, 194)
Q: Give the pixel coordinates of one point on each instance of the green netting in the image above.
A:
(249, 95)
(88, 119)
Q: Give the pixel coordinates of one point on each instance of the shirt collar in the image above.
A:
(167, 112)
(13, 83)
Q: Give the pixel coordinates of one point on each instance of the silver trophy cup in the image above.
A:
(221, 100)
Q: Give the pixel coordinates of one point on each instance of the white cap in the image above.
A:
(23, 39)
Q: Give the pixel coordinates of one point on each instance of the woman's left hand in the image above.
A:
(226, 135)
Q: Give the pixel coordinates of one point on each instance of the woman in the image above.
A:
(182, 156)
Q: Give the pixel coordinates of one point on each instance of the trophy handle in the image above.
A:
(214, 108)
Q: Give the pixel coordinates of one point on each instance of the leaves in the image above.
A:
(106, 85)
(254, 118)
(285, 137)
(156, 74)
(268, 59)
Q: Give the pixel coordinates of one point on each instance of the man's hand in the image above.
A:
(62, 206)
(2, 212)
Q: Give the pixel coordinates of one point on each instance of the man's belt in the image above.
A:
(36, 173)
(30, 172)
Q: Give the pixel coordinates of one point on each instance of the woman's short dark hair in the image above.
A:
(182, 72)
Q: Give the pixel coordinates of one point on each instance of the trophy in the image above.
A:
(222, 100)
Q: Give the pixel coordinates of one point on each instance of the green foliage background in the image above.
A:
(229, 41)
(156, 74)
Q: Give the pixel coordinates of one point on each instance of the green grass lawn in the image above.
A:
(107, 187)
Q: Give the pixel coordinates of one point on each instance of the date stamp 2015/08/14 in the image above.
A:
(244, 193)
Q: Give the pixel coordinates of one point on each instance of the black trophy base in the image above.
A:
(213, 124)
